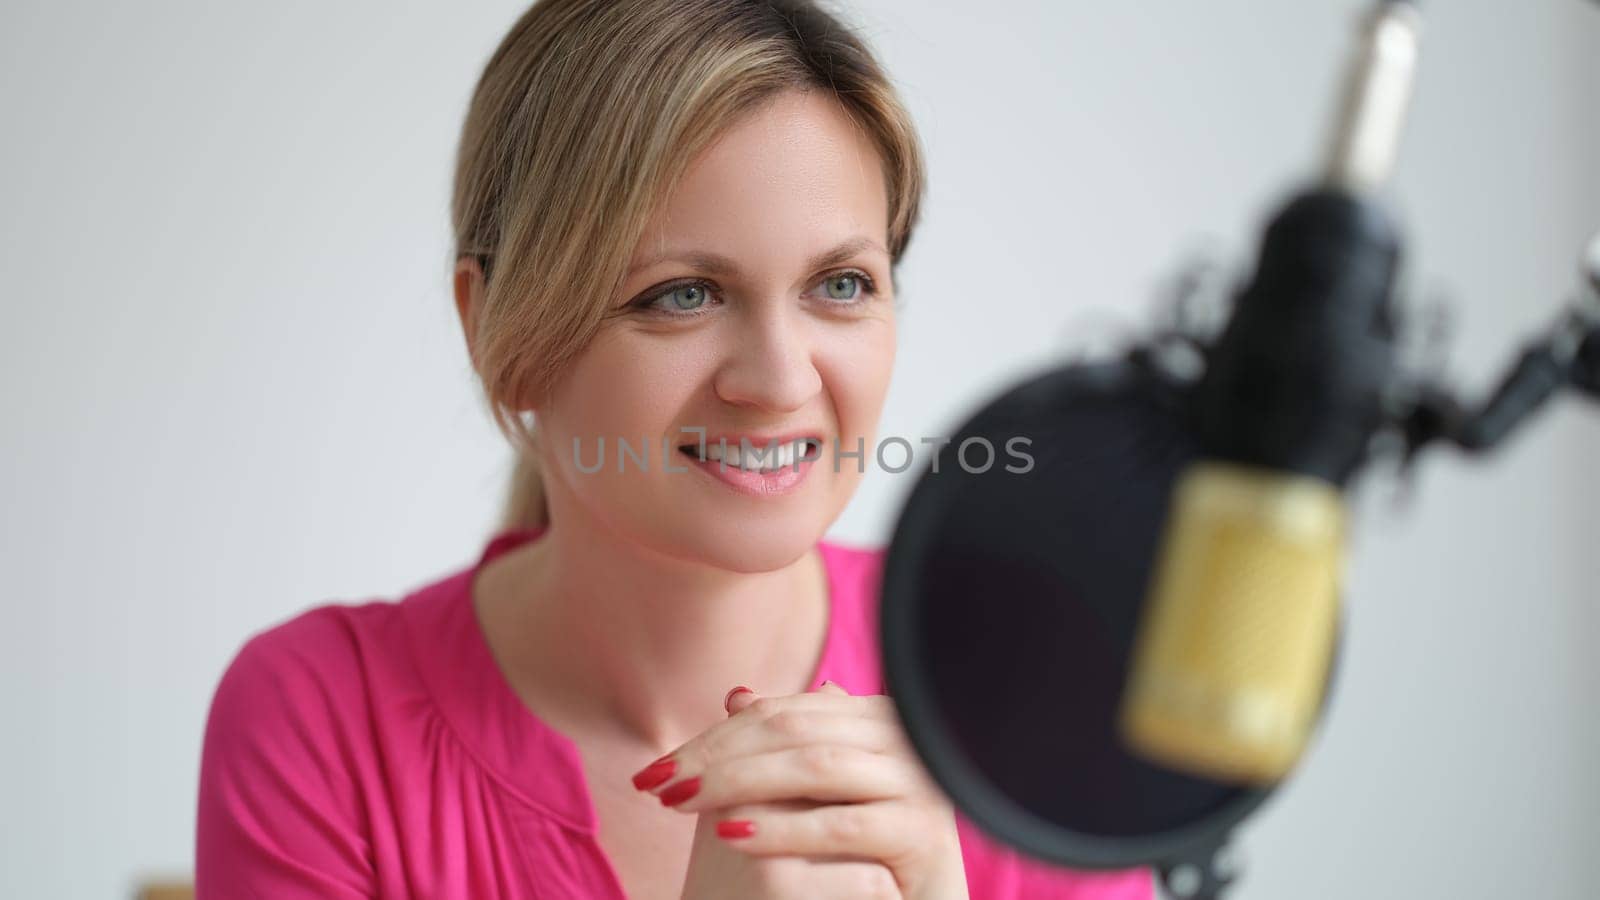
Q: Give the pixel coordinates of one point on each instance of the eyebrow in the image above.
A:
(718, 264)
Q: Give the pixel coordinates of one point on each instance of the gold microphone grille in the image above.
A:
(1234, 643)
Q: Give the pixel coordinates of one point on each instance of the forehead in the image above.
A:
(794, 173)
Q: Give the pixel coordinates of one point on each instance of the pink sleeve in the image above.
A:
(995, 871)
(279, 812)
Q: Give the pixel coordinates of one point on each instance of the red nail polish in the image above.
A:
(681, 791)
(655, 773)
(735, 828)
(728, 698)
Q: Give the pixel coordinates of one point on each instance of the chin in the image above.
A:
(750, 542)
(765, 556)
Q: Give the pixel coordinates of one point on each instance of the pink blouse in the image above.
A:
(375, 750)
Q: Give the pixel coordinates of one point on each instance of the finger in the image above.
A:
(843, 878)
(655, 776)
(761, 706)
(793, 728)
(738, 698)
(780, 731)
(803, 877)
(890, 832)
(823, 773)
(752, 711)
(794, 714)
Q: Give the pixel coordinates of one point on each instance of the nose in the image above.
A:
(769, 364)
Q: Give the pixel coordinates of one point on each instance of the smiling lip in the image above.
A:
(759, 441)
(780, 482)
(777, 483)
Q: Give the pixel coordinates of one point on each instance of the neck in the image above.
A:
(603, 635)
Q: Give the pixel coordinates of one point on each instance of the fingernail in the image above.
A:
(681, 791)
(655, 773)
(735, 828)
(729, 697)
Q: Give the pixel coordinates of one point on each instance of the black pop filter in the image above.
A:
(1009, 608)
(1015, 588)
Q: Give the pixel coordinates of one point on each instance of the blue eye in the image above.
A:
(689, 298)
(692, 298)
(686, 297)
(851, 286)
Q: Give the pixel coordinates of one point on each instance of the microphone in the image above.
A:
(1234, 644)
(1164, 579)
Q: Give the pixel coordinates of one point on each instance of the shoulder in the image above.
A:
(301, 692)
(337, 680)
(316, 650)
(298, 689)
(287, 760)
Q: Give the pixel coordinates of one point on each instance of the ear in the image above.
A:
(469, 289)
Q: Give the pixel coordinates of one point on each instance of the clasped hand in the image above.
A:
(823, 775)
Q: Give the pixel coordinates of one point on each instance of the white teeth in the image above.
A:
(761, 458)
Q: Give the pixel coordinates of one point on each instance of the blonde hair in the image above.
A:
(584, 119)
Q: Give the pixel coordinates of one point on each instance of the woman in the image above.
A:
(677, 225)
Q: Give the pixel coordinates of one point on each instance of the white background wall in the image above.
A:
(234, 386)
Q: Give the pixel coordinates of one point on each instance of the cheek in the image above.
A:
(622, 388)
(857, 366)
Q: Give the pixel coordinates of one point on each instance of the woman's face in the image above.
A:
(759, 304)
